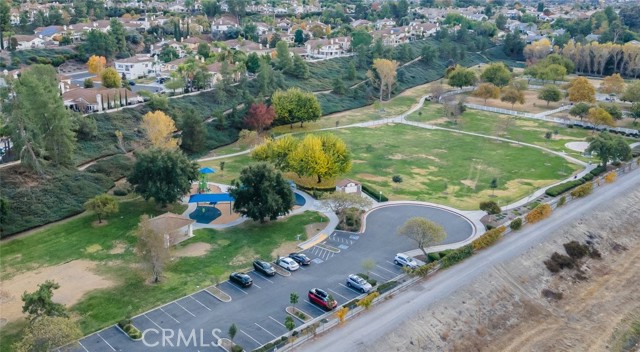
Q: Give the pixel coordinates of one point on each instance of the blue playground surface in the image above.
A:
(205, 214)
(299, 200)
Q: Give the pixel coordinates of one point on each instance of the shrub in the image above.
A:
(540, 212)
(120, 192)
(373, 193)
(588, 177)
(115, 167)
(129, 329)
(490, 207)
(558, 262)
(598, 170)
(432, 257)
(237, 348)
(445, 253)
(456, 256)
(563, 187)
(516, 224)
(546, 293)
(594, 253)
(576, 250)
(610, 177)
(425, 269)
(583, 190)
(387, 286)
(488, 238)
(562, 201)
(396, 178)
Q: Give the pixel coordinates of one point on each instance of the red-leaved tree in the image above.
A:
(259, 117)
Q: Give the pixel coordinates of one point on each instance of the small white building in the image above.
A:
(137, 66)
(175, 228)
(349, 186)
(28, 42)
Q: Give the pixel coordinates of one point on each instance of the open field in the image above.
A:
(105, 255)
(532, 103)
(439, 166)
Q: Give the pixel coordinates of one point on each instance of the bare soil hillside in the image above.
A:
(505, 309)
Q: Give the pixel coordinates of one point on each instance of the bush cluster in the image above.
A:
(563, 187)
(576, 250)
(425, 269)
(540, 212)
(558, 262)
(269, 346)
(583, 190)
(129, 329)
(387, 286)
(114, 167)
(551, 294)
(374, 193)
(516, 224)
(610, 177)
(491, 207)
(372, 282)
(488, 238)
(456, 256)
(562, 201)
(432, 257)
(598, 170)
(120, 192)
(396, 178)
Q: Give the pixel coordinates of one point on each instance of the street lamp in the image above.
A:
(380, 198)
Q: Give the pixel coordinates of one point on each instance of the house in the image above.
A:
(360, 23)
(349, 186)
(28, 42)
(216, 72)
(175, 228)
(328, 48)
(47, 33)
(222, 25)
(384, 23)
(156, 49)
(88, 100)
(137, 66)
(592, 37)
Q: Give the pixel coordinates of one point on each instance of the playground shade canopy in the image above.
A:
(211, 198)
(207, 170)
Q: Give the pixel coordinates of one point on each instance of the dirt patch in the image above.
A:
(358, 161)
(245, 257)
(99, 223)
(284, 249)
(313, 229)
(469, 183)
(93, 248)
(75, 278)
(118, 248)
(227, 214)
(193, 250)
(532, 103)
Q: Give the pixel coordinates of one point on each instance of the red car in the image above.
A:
(321, 298)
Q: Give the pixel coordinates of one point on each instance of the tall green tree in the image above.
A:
(283, 60)
(253, 63)
(428, 53)
(298, 37)
(424, 232)
(164, 175)
(5, 21)
(118, 34)
(461, 77)
(580, 110)
(41, 126)
(295, 105)
(299, 67)
(550, 93)
(40, 303)
(496, 73)
(261, 192)
(609, 147)
(361, 37)
(102, 205)
(194, 134)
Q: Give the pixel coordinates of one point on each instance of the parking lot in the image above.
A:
(190, 323)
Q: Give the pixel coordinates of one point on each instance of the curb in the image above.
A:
(313, 241)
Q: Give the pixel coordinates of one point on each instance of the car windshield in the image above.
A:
(359, 280)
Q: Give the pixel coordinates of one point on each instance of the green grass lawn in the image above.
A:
(441, 166)
(231, 249)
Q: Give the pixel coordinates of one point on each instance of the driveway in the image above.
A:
(259, 311)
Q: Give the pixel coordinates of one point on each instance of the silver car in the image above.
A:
(358, 283)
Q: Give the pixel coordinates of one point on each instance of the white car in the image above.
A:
(287, 263)
(405, 261)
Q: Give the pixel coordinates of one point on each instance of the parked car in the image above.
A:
(287, 263)
(241, 279)
(322, 298)
(300, 258)
(405, 261)
(358, 283)
(132, 83)
(264, 267)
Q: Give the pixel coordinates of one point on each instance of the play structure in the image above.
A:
(206, 210)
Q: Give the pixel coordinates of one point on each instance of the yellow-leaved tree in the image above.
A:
(599, 116)
(387, 71)
(308, 158)
(581, 90)
(96, 64)
(159, 128)
(613, 84)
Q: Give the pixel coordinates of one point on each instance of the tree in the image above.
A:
(47, 334)
(351, 71)
(204, 50)
(289, 323)
(387, 71)
(298, 37)
(540, 6)
(550, 93)
(461, 77)
(487, 91)
(299, 67)
(424, 232)
(496, 73)
(613, 110)
(493, 185)
(261, 192)
(613, 84)
(41, 126)
(40, 303)
(581, 90)
(168, 53)
(174, 84)
(118, 33)
(325, 156)
(501, 21)
(158, 129)
(152, 247)
(295, 105)
(253, 63)
(294, 298)
(537, 50)
(339, 202)
(97, 43)
(88, 83)
(5, 21)
(164, 175)
(491, 207)
(110, 78)
(513, 45)
(338, 86)
(609, 147)
(512, 95)
(635, 111)
(361, 37)
(428, 53)
(632, 93)
(580, 110)
(283, 60)
(233, 330)
(599, 116)
(96, 64)
(259, 116)
(102, 205)
(194, 135)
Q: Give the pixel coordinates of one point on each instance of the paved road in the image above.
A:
(361, 333)
(258, 312)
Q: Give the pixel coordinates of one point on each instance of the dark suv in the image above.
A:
(264, 267)
(300, 258)
(322, 299)
(241, 279)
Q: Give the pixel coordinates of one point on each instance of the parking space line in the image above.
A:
(249, 336)
(81, 345)
(316, 307)
(185, 309)
(350, 288)
(270, 317)
(238, 288)
(338, 294)
(105, 341)
(256, 285)
(378, 275)
(209, 309)
(169, 315)
(385, 269)
(154, 323)
(262, 276)
(268, 332)
(394, 264)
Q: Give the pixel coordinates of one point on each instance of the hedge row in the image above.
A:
(598, 170)
(457, 256)
(373, 193)
(488, 238)
(564, 187)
